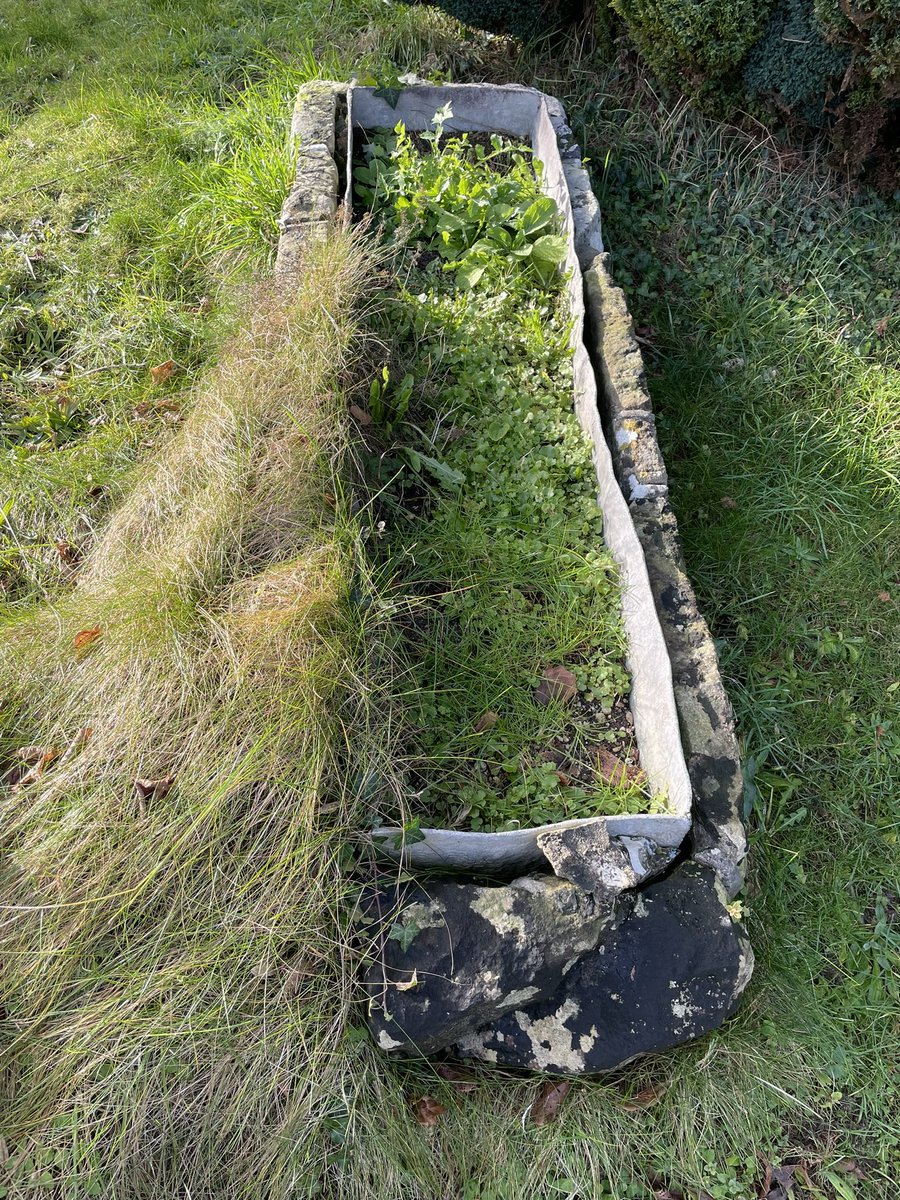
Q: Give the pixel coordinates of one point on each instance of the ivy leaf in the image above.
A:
(390, 93)
(404, 934)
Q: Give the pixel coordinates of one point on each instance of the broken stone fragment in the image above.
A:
(475, 953)
(672, 970)
(584, 855)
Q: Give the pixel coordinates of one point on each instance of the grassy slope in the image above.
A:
(759, 292)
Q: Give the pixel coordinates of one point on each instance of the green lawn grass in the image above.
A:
(141, 163)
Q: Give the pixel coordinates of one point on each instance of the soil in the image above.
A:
(615, 758)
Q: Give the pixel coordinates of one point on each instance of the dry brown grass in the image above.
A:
(173, 955)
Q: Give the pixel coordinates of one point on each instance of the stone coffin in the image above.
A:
(588, 958)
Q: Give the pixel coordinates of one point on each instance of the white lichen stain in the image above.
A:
(551, 1042)
(425, 916)
(520, 997)
(684, 1010)
(494, 904)
(386, 1042)
(588, 1040)
(744, 971)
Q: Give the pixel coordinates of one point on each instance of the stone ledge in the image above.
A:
(312, 201)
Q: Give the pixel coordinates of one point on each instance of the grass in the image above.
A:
(184, 1027)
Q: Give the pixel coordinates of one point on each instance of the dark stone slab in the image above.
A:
(671, 971)
(705, 715)
(456, 956)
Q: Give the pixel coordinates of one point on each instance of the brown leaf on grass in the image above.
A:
(360, 415)
(884, 597)
(427, 1111)
(728, 502)
(881, 326)
(67, 552)
(557, 683)
(39, 758)
(152, 789)
(849, 1166)
(162, 373)
(645, 1097)
(614, 771)
(87, 637)
(31, 754)
(546, 1107)
(168, 407)
(462, 1081)
(781, 1182)
(667, 1194)
(487, 720)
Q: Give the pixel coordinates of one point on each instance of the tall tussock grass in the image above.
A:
(171, 894)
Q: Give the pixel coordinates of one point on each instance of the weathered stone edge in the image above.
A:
(705, 713)
(704, 710)
(312, 201)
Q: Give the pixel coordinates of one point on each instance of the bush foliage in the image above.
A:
(694, 40)
(828, 63)
(794, 63)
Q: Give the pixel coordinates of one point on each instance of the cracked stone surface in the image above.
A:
(671, 971)
(457, 955)
(586, 857)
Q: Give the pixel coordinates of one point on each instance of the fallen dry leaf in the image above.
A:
(849, 1166)
(163, 372)
(39, 762)
(462, 1081)
(881, 326)
(781, 1183)
(557, 683)
(87, 637)
(728, 502)
(644, 1098)
(427, 1111)
(486, 721)
(31, 754)
(67, 552)
(360, 415)
(410, 983)
(614, 770)
(884, 597)
(152, 789)
(546, 1108)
